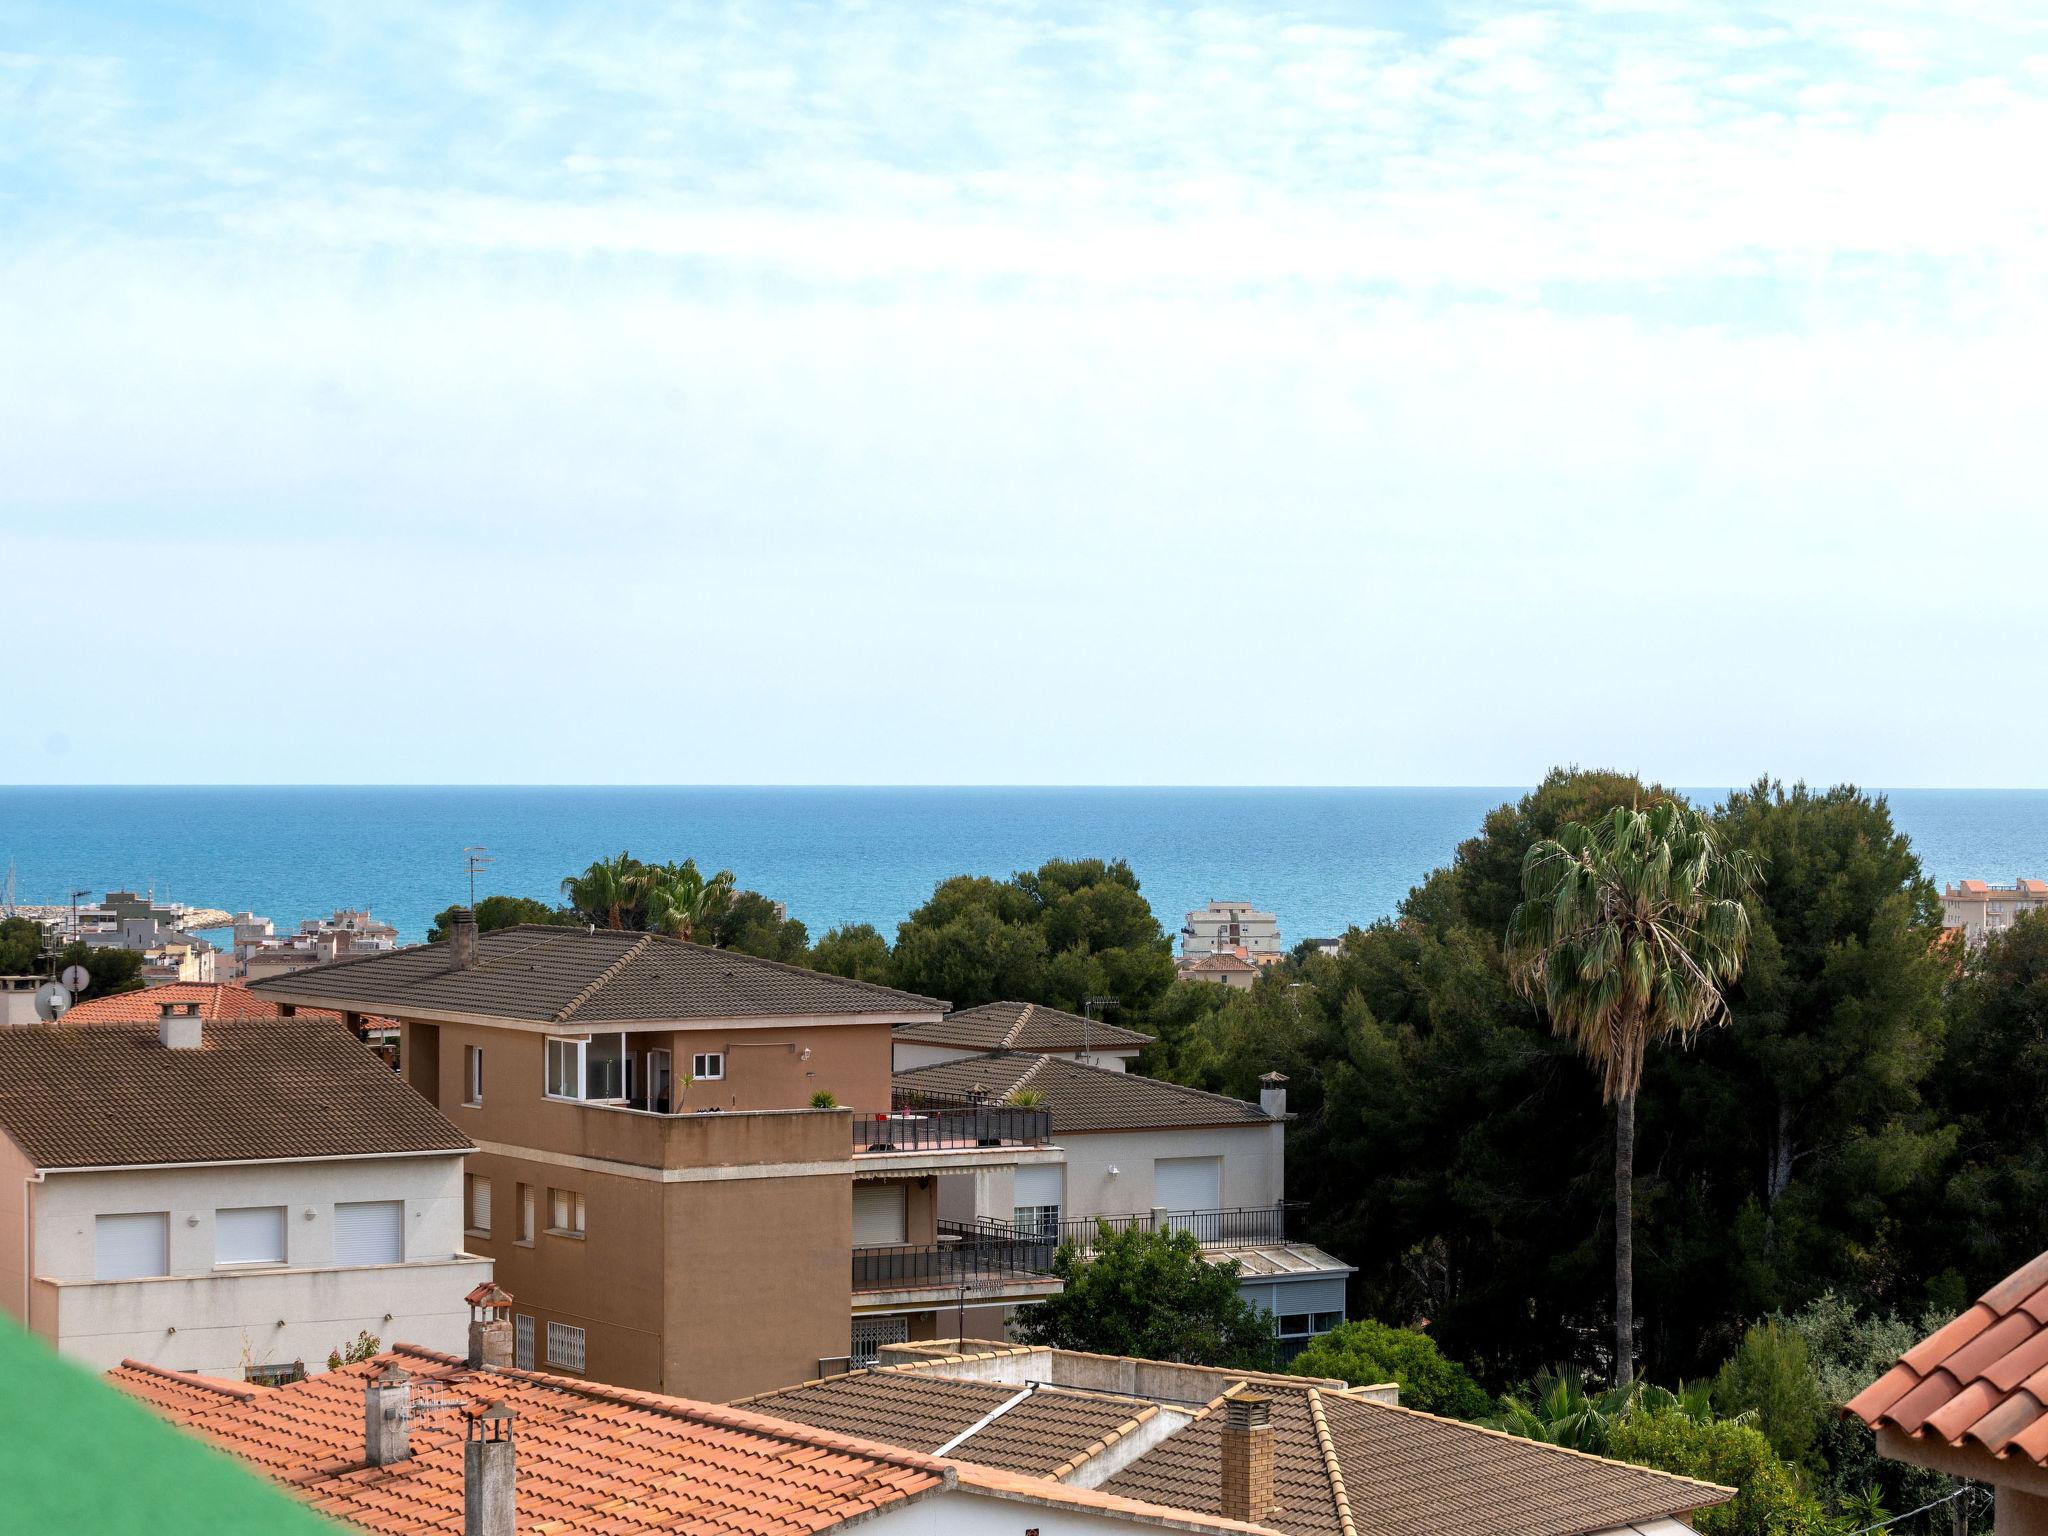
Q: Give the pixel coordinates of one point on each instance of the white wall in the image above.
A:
(217, 1320)
(961, 1512)
(1254, 1165)
(908, 1055)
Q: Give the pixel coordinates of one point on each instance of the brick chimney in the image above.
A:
(178, 1026)
(387, 1417)
(462, 938)
(490, 1327)
(489, 1505)
(1273, 1094)
(1247, 1458)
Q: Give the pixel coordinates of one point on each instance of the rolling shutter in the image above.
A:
(1187, 1183)
(131, 1246)
(251, 1235)
(370, 1232)
(881, 1214)
(1039, 1185)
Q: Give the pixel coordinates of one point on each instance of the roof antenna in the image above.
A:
(475, 857)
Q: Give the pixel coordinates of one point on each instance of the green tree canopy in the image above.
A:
(1154, 1295)
(113, 970)
(1367, 1352)
(21, 947)
(856, 950)
(1770, 1377)
(495, 912)
(1070, 930)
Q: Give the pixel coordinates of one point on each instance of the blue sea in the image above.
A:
(1321, 858)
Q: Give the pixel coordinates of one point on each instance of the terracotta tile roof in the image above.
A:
(565, 975)
(1233, 965)
(176, 1393)
(256, 1090)
(1021, 1027)
(1040, 1435)
(216, 1000)
(1081, 1097)
(1982, 1379)
(590, 1458)
(1976, 887)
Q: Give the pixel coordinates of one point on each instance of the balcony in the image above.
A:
(1256, 1226)
(986, 1262)
(939, 1139)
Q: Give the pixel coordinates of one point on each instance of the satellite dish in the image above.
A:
(51, 1001)
(76, 979)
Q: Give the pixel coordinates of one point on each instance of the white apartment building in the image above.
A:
(224, 1196)
(1982, 909)
(1224, 927)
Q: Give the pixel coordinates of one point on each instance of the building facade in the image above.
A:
(1981, 909)
(264, 1192)
(1224, 926)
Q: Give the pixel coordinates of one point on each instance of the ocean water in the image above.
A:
(1321, 858)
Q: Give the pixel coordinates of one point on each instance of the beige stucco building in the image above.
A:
(1982, 909)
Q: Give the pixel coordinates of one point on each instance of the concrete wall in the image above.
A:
(1254, 1165)
(219, 1320)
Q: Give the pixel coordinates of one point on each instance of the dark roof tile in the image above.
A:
(1081, 1097)
(1020, 1027)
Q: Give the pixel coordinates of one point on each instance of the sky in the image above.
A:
(1016, 393)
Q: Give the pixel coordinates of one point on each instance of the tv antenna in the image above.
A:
(475, 859)
(1088, 1007)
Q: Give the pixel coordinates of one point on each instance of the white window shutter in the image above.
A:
(249, 1235)
(132, 1246)
(369, 1232)
(881, 1215)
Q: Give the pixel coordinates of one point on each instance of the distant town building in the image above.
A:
(1228, 968)
(1981, 909)
(179, 958)
(354, 930)
(1224, 926)
(1331, 947)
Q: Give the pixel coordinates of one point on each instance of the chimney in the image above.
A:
(462, 937)
(1247, 1458)
(178, 1026)
(1273, 1094)
(387, 1417)
(490, 1328)
(487, 1474)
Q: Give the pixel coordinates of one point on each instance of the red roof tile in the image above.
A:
(1981, 1379)
(216, 999)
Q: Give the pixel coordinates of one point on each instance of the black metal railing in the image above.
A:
(977, 1257)
(931, 1129)
(1244, 1227)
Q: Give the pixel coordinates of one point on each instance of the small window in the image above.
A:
(565, 1346)
(1042, 1221)
(476, 1203)
(132, 1246)
(565, 1213)
(251, 1234)
(708, 1065)
(1293, 1325)
(565, 1069)
(525, 1234)
(1325, 1321)
(473, 1075)
(522, 1342)
(369, 1232)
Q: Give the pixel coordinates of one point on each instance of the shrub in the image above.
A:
(1366, 1351)
(1768, 1500)
(823, 1099)
(1771, 1377)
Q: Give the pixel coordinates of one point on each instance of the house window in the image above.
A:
(565, 1213)
(1294, 1325)
(252, 1234)
(369, 1232)
(1037, 1221)
(476, 1204)
(1325, 1321)
(473, 1075)
(565, 1068)
(871, 1333)
(708, 1066)
(565, 1346)
(522, 1342)
(525, 1233)
(131, 1246)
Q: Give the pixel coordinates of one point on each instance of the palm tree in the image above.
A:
(604, 892)
(1628, 930)
(680, 899)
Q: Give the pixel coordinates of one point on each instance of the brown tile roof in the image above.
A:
(1040, 1435)
(216, 1000)
(109, 1095)
(1021, 1027)
(591, 1458)
(1081, 1097)
(1344, 1463)
(1233, 965)
(1982, 1379)
(564, 975)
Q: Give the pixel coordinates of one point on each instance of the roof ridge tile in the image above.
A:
(1328, 1446)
